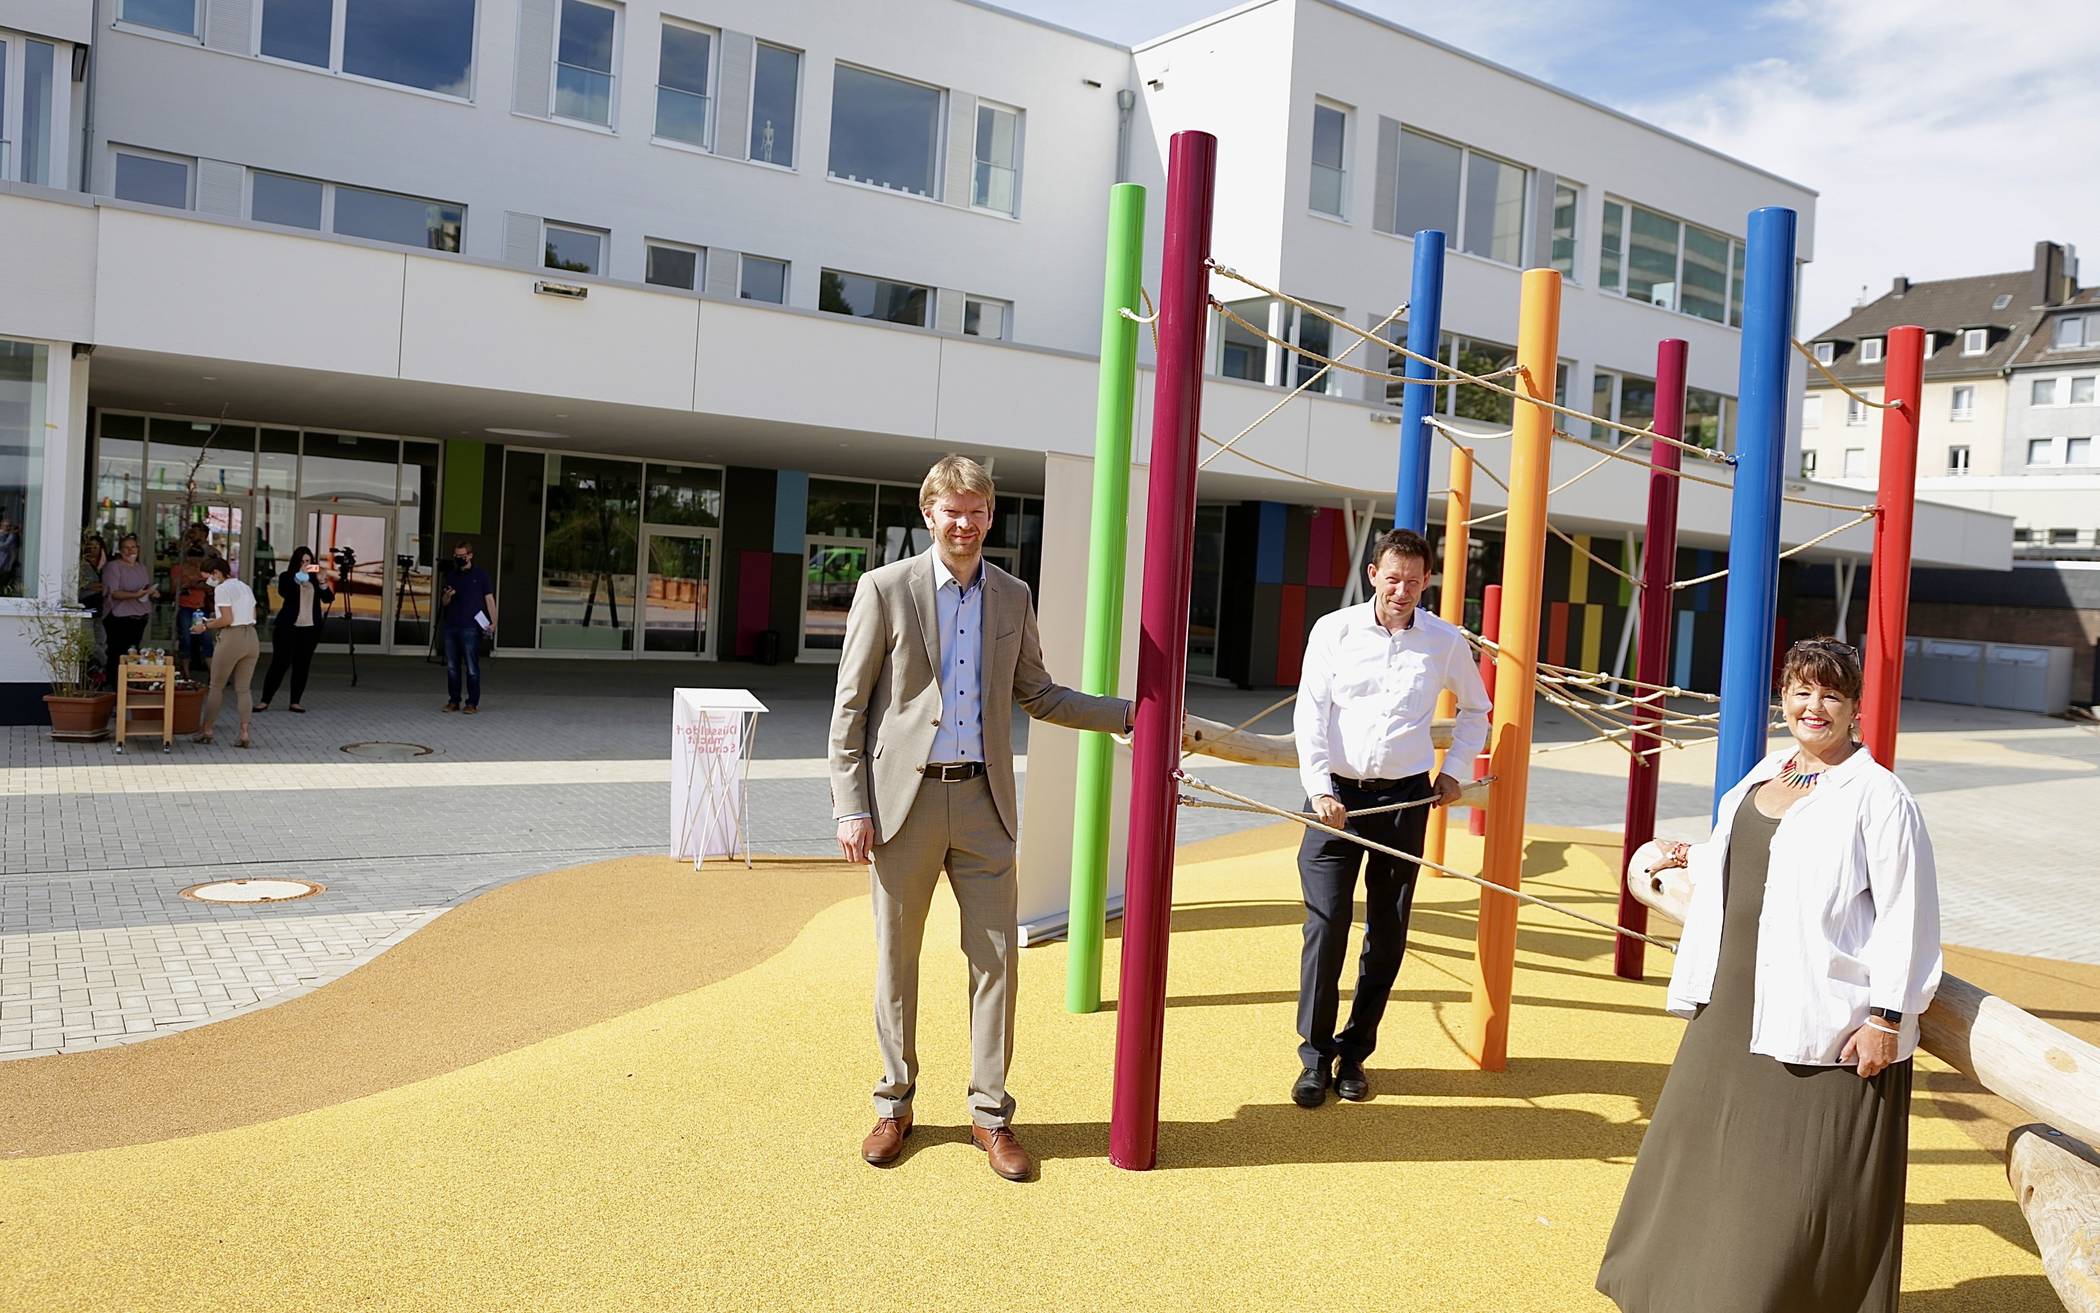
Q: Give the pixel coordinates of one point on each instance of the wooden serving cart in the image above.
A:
(137, 695)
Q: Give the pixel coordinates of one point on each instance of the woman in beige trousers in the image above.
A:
(235, 649)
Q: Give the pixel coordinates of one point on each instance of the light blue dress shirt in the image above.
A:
(960, 736)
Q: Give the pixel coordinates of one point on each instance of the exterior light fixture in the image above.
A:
(573, 291)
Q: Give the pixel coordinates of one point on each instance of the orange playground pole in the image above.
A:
(1486, 1037)
(1458, 508)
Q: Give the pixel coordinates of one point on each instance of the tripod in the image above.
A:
(345, 562)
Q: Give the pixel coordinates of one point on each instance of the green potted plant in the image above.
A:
(63, 636)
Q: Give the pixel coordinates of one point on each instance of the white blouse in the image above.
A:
(1851, 916)
(236, 599)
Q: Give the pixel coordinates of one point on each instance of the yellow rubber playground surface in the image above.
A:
(628, 1086)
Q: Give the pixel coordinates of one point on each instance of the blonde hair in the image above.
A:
(953, 474)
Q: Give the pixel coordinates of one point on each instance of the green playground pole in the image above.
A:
(1101, 671)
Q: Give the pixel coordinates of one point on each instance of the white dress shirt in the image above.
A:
(1366, 696)
(1851, 916)
(234, 598)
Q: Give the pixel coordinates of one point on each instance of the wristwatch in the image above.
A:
(1887, 1014)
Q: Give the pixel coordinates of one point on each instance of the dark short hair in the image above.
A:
(1404, 541)
(194, 551)
(217, 564)
(1824, 663)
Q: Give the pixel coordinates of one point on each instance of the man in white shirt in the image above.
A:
(1367, 694)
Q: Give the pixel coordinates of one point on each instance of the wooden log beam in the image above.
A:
(2051, 1074)
(1213, 739)
(2056, 1181)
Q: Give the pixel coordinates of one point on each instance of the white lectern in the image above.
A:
(712, 733)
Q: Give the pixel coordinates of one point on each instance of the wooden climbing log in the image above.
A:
(2051, 1074)
(2056, 1181)
(1213, 739)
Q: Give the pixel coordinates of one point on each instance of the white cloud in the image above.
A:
(1944, 140)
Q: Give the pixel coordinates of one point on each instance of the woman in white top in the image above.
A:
(1771, 1176)
(234, 652)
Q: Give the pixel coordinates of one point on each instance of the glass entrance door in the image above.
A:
(678, 570)
(834, 567)
(219, 525)
(364, 593)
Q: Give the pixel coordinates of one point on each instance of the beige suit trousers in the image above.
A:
(956, 828)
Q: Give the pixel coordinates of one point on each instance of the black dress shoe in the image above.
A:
(1350, 1083)
(1311, 1089)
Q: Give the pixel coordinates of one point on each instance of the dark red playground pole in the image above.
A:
(1490, 629)
(1155, 743)
(1888, 597)
(1644, 776)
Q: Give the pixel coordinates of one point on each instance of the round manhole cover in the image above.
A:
(252, 891)
(385, 749)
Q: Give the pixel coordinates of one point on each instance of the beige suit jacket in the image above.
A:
(888, 705)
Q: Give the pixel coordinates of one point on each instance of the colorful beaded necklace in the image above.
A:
(1798, 779)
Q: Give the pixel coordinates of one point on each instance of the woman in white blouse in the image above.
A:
(1772, 1173)
(235, 647)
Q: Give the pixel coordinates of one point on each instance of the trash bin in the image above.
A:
(769, 648)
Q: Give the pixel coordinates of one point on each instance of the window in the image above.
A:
(1855, 462)
(1703, 277)
(1476, 402)
(984, 317)
(1428, 179)
(995, 182)
(2070, 332)
(1651, 258)
(402, 220)
(683, 110)
(1826, 352)
(1612, 248)
(24, 370)
(885, 131)
(2002, 300)
(1975, 341)
(428, 45)
(1957, 460)
(153, 179)
(575, 250)
(1330, 158)
(39, 85)
(300, 31)
(2042, 392)
(1855, 411)
(761, 279)
(583, 62)
(2041, 451)
(2082, 390)
(1243, 355)
(1477, 197)
(2023, 535)
(1811, 412)
(1567, 209)
(2063, 537)
(1870, 351)
(1680, 266)
(1709, 419)
(1604, 391)
(776, 80)
(167, 15)
(1930, 343)
(1963, 408)
(2078, 451)
(1494, 206)
(277, 198)
(667, 264)
(873, 298)
(1808, 462)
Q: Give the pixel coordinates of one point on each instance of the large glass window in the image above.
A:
(415, 540)
(1474, 401)
(298, 30)
(277, 526)
(428, 44)
(278, 198)
(23, 375)
(900, 526)
(348, 469)
(1709, 419)
(1429, 173)
(1636, 403)
(38, 61)
(683, 109)
(220, 458)
(402, 220)
(588, 554)
(1611, 248)
(583, 62)
(6, 145)
(120, 475)
(885, 131)
(1206, 590)
(1567, 212)
(763, 279)
(1680, 266)
(1241, 354)
(1494, 208)
(1705, 282)
(873, 298)
(776, 83)
(167, 15)
(996, 181)
(685, 495)
(153, 180)
(841, 508)
(575, 250)
(1651, 265)
(1330, 158)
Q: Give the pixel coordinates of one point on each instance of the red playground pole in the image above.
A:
(1888, 599)
(1155, 744)
(1644, 776)
(1490, 629)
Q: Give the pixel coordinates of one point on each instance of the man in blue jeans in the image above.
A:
(469, 610)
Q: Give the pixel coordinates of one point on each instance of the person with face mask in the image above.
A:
(233, 653)
(469, 611)
(303, 589)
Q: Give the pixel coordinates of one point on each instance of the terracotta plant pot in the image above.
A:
(189, 709)
(80, 718)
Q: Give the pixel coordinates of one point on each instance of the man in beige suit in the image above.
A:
(938, 648)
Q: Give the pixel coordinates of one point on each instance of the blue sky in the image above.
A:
(1943, 140)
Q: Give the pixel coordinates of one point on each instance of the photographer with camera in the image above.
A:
(468, 611)
(303, 589)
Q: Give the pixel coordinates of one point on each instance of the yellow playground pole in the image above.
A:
(1486, 1037)
(1458, 508)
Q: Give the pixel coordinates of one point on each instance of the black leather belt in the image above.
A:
(1374, 786)
(953, 772)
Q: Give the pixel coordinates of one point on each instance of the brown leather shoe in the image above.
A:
(1008, 1158)
(886, 1141)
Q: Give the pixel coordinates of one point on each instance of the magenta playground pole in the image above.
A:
(1644, 776)
(1155, 745)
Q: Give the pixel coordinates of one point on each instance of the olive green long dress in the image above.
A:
(1761, 1186)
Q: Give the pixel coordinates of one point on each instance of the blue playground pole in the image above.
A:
(1753, 530)
(1425, 323)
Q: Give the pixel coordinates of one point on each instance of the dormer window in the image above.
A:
(1826, 352)
(1930, 340)
(2003, 300)
(1975, 341)
(1870, 351)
